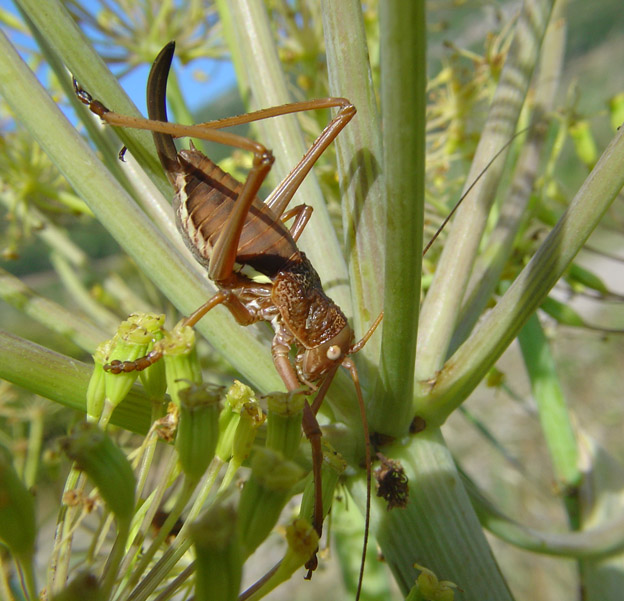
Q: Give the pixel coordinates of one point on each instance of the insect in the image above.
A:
(226, 226)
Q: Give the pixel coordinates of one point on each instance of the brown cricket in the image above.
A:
(227, 227)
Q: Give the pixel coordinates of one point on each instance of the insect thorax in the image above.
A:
(311, 316)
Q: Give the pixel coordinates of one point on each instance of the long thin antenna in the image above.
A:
(471, 186)
(348, 364)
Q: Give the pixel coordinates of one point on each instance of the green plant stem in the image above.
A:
(75, 288)
(27, 577)
(491, 262)
(35, 443)
(600, 540)
(403, 66)
(438, 528)
(557, 427)
(182, 542)
(58, 566)
(467, 367)
(183, 498)
(359, 160)
(114, 559)
(63, 380)
(153, 503)
(5, 587)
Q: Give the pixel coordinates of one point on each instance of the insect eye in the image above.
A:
(334, 353)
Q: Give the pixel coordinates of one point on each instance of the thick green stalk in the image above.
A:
(253, 46)
(63, 380)
(359, 160)
(557, 427)
(438, 529)
(403, 80)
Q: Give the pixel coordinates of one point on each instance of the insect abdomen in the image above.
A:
(205, 198)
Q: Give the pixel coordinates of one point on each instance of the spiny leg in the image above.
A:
(279, 350)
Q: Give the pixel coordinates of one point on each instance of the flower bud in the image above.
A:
(616, 110)
(237, 395)
(107, 467)
(251, 418)
(129, 344)
(302, 542)
(264, 495)
(153, 378)
(218, 554)
(584, 142)
(198, 428)
(181, 362)
(285, 411)
(429, 587)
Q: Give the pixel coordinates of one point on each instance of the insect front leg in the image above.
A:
(280, 350)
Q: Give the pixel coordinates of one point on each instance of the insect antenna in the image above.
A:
(470, 187)
(350, 366)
